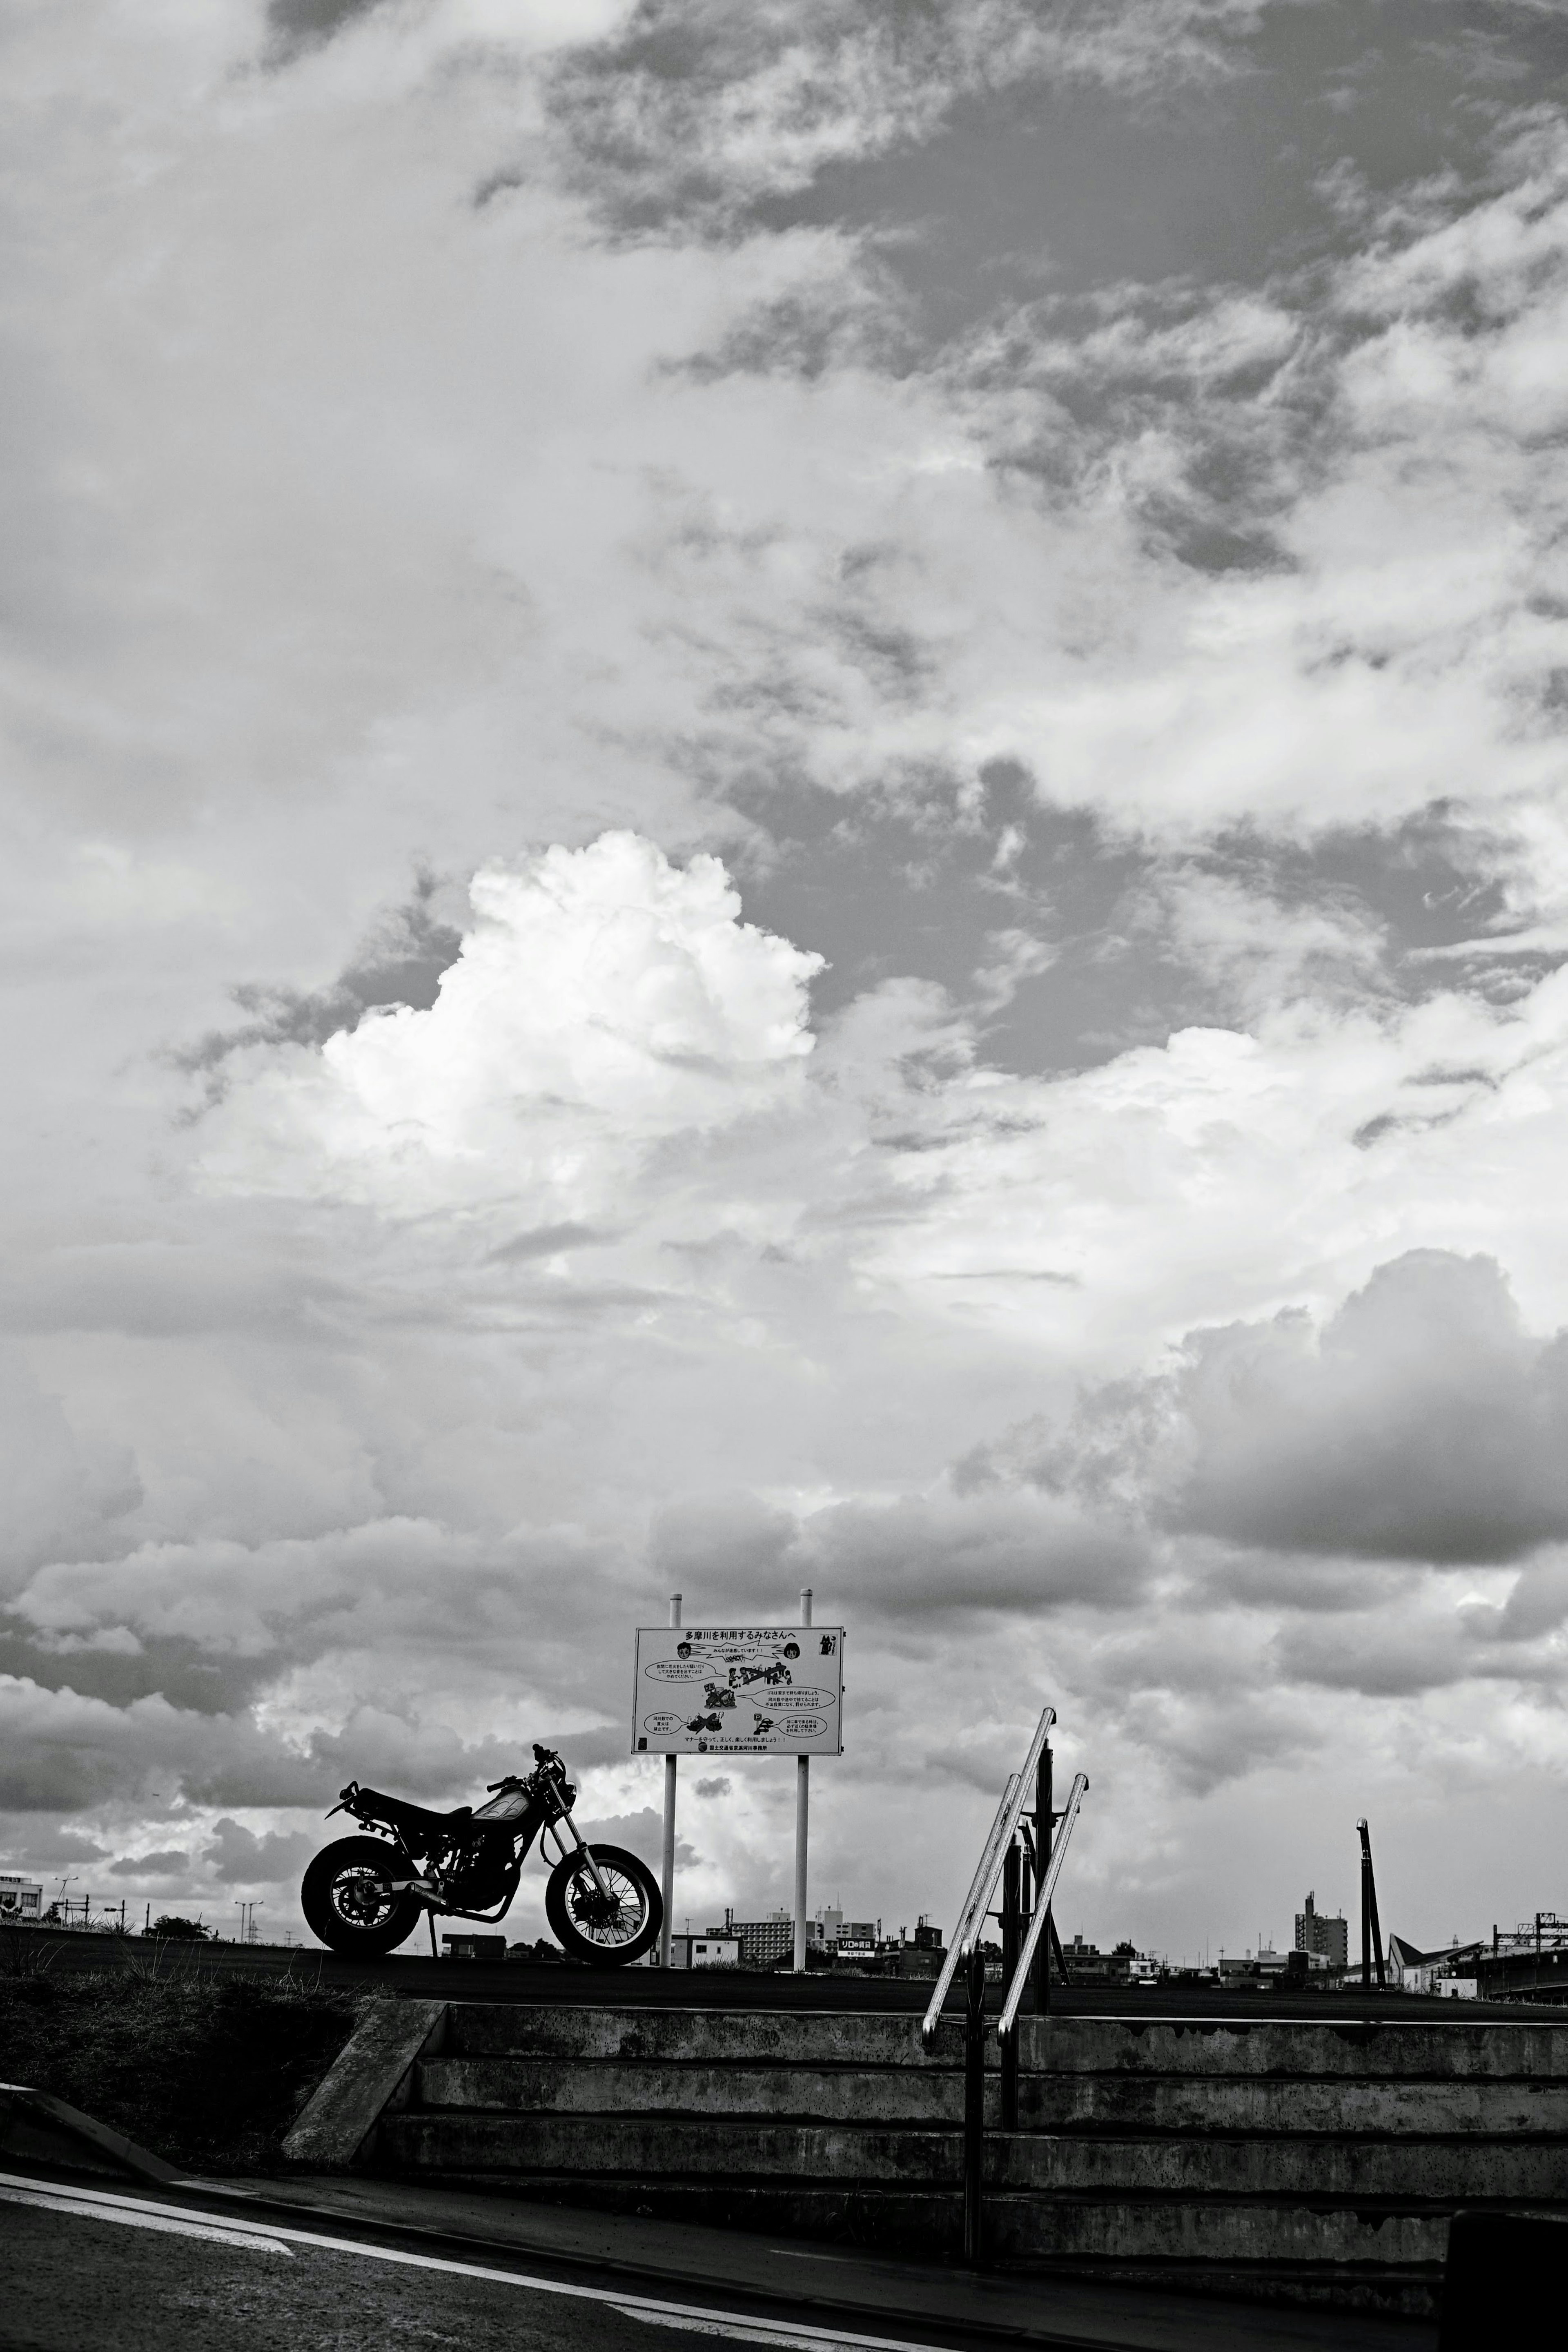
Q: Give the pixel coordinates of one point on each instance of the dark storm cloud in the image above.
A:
(166, 1862)
(185, 1673)
(399, 961)
(1422, 1422)
(63, 1752)
(921, 1556)
(238, 1856)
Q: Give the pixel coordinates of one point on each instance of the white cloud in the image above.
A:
(603, 1003)
(373, 500)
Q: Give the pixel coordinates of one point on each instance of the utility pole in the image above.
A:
(1371, 1932)
(667, 1865)
(802, 1811)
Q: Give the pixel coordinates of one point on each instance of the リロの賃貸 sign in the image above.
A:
(738, 1690)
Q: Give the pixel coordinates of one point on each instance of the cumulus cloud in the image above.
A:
(1421, 1422)
(601, 1002)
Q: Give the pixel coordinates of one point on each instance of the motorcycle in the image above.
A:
(365, 1895)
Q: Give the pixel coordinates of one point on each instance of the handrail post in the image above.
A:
(983, 1886)
(1013, 1995)
(1011, 1926)
(975, 2108)
(1044, 1824)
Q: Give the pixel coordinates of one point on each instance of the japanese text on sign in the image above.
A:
(738, 1690)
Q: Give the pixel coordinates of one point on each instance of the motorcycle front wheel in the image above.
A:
(348, 1900)
(606, 1933)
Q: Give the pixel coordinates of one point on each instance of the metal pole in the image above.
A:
(1371, 1930)
(667, 1867)
(802, 1814)
(974, 2106)
(1011, 1939)
(1044, 1824)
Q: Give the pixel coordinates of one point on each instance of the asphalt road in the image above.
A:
(80, 2268)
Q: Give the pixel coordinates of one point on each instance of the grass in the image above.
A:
(207, 2071)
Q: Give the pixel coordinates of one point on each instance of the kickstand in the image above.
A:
(433, 1953)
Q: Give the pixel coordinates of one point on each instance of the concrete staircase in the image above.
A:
(1316, 2161)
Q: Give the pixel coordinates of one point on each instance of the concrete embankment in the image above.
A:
(1318, 2161)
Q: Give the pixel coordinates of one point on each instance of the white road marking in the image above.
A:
(734, 2330)
(700, 2319)
(53, 2202)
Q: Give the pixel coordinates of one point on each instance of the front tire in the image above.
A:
(584, 1928)
(349, 1901)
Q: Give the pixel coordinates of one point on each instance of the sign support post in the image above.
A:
(667, 1872)
(739, 1690)
(802, 1814)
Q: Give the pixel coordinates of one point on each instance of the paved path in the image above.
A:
(334, 2267)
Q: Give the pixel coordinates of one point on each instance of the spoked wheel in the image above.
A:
(349, 1902)
(605, 1930)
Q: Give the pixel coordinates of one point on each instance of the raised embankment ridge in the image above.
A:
(1317, 2161)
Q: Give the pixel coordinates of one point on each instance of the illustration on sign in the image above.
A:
(738, 1690)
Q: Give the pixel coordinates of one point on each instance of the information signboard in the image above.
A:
(738, 1690)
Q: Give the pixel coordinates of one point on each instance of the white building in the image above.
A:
(19, 1897)
(713, 1950)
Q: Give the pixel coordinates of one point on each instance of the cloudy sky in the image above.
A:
(783, 803)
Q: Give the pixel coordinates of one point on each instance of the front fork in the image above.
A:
(561, 1819)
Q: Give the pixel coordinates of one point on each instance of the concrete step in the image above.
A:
(1350, 2049)
(697, 2037)
(1334, 2109)
(1367, 2256)
(1079, 2104)
(1410, 2171)
(557, 2086)
(715, 2148)
(720, 2147)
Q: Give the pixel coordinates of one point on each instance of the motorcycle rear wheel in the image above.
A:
(579, 1920)
(349, 1901)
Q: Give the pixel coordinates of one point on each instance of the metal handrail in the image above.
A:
(1008, 2017)
(993, 1854)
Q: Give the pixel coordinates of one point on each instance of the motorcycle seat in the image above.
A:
(414, 1821)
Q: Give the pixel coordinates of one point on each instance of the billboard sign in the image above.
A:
(738, 1690)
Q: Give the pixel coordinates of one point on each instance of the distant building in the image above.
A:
(713, 1950)
(1328, 1938)
(762, 1941)
(849, 1939)
(19, 1897)
(858, 1940)
(1437, 1972)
